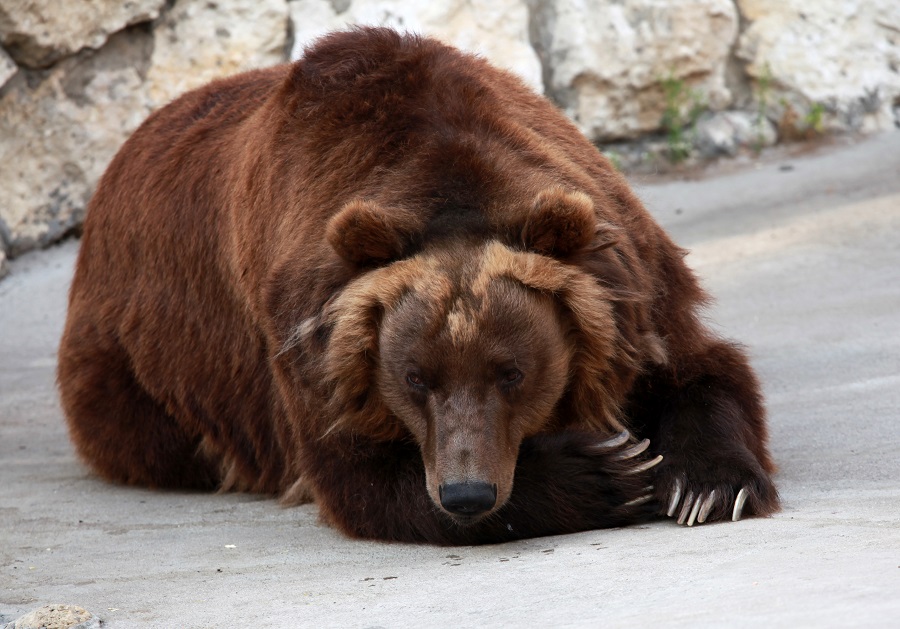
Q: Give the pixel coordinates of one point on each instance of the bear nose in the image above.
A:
(469, 499)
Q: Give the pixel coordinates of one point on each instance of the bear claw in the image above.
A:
(694, 511)
(639, 501)
(696, 507)
(676, 498)
(701, 508)
(739, 504)
(643, 467)
(614, 442)
(707, 506)
(634, 450)
(686, 508)
(646, 497)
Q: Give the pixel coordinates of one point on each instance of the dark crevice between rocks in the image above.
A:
(5, 237)
(289, 38)
(541, 22)
(737, 79)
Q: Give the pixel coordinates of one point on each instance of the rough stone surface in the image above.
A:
(726, 132)
(495, 29)
(58, 131)
(8, 67)
(197, 42)
(608, 58)
(60, 127)
(842, 55)
(57, 617)
(39, 33)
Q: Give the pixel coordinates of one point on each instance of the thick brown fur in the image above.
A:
(385, 268)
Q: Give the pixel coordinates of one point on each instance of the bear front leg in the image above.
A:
(579, 481)
(704, 413)
(564, 483)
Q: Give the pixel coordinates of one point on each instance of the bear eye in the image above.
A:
(415, 380)
(511, 377)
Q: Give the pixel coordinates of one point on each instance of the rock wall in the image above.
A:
(496, 29)
(76, 78)
(41, 33)
(841, 56)
(606, 61)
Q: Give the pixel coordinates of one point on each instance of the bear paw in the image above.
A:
(696, 498)
(577, 481)
(633, 460)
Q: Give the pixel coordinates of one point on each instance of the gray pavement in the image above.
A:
(803, 256)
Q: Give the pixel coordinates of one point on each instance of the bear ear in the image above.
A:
(560, 223)
(366, 233)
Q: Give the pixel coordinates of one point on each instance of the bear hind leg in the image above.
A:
(117, 427)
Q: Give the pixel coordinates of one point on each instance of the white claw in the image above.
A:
(707, 507)
(695, 510)
(639, 501)
(634, 450)
(643, 467)
(614, 442)
(739, 504)
(686, 509)
(676, 497)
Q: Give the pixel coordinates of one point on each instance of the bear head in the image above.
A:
(468, 346)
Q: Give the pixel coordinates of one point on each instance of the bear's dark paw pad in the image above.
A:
(693, 503)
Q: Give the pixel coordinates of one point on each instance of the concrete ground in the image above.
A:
(803, 255)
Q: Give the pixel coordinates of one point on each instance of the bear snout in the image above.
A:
(468, 499)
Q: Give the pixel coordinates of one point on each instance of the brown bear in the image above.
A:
(392, 279)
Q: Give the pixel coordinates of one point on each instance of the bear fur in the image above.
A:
(390, 278)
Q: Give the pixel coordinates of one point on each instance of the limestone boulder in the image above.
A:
(196, 42)
(59, 129)
(727, 132)
(606, 61)
(496, 29)
(39, 33)
(832, 55)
